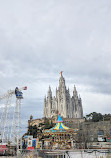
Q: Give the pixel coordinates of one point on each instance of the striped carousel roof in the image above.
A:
(59, 125)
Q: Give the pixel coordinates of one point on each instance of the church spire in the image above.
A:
(49, 92)
(75, 91)
(45, 98)
(49, 89)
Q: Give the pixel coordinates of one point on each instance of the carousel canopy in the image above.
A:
(59, 125)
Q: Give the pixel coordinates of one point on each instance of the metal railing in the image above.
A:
(64, 154)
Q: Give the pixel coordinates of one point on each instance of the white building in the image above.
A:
(63, 103)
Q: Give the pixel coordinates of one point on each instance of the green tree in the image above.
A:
(107, 117)
(48, 124)
(24, 145)
(32, 131)
(94, 117)
(97, 117)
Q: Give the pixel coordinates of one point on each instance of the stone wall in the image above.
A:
(95, 131)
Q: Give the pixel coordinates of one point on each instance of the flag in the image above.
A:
(25, 88)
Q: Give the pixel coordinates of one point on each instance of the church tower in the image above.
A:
(49, 102)
(45, 107)
(61, 96)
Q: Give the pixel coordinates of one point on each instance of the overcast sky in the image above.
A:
(39, 38)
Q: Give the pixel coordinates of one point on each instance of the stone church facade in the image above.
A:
(63, 103)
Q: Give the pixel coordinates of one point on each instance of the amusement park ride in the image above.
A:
(10, 131)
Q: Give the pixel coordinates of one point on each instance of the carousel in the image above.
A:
(60, 135)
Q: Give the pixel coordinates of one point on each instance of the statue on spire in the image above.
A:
(61, 73)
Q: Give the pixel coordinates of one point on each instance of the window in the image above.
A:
(110, 131)
(100, 132)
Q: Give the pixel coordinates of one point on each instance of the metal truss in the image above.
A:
(11, 134)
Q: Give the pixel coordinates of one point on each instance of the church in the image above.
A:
(63, 103)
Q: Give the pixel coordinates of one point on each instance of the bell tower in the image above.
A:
(62, 96)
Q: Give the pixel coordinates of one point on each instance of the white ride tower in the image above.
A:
(11, 134)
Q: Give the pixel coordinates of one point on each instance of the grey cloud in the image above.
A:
(38, 39)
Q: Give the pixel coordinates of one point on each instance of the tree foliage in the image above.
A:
(32, 130)
(95, 117)
(48, 124)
